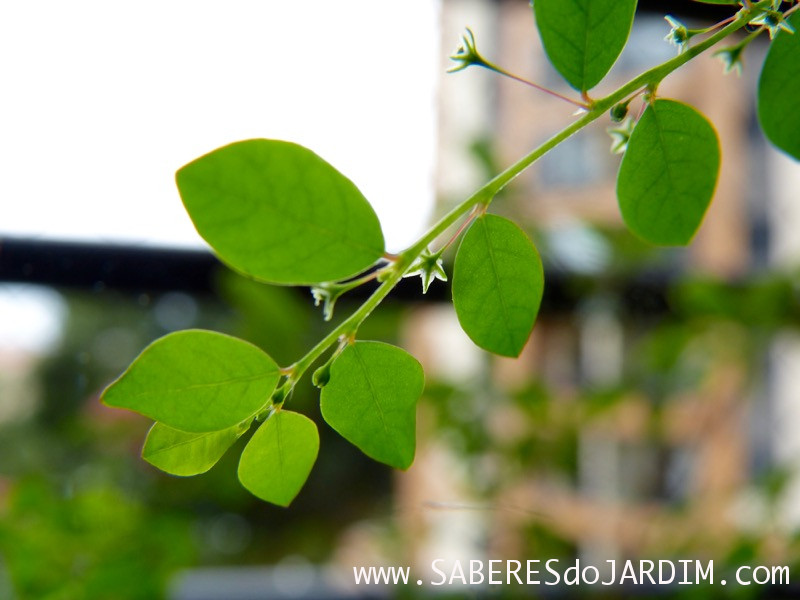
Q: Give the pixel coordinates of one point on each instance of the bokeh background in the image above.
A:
(653, 413)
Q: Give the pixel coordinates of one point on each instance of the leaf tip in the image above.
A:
(406, 463)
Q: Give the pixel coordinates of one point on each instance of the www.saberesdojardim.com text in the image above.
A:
(555, 572)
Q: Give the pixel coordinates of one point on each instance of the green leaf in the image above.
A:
(498, 283)
(668, 174)
(196, 381)
(584, 38)
(278, 212)
(184, 453)
(371, 400)
(779, 90)
(278, 458)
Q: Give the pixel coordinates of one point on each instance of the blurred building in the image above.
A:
(656, 475)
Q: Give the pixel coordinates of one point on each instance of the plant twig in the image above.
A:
(501, 71)
(403, 261)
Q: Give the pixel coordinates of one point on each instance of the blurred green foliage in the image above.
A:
(90, 541)
(85, 517)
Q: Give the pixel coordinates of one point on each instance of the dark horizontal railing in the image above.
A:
(137, 269)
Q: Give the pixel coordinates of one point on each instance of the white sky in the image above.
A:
(30, 319)
(104, 100)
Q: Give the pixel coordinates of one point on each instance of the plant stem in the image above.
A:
(791, 10)
(536, 86)
(461, 228)
(717, 25)
(487, 192)
(750, 37)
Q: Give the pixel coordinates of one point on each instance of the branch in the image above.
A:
(487, 192)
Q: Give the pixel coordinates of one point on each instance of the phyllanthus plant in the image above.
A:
(278, 213)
